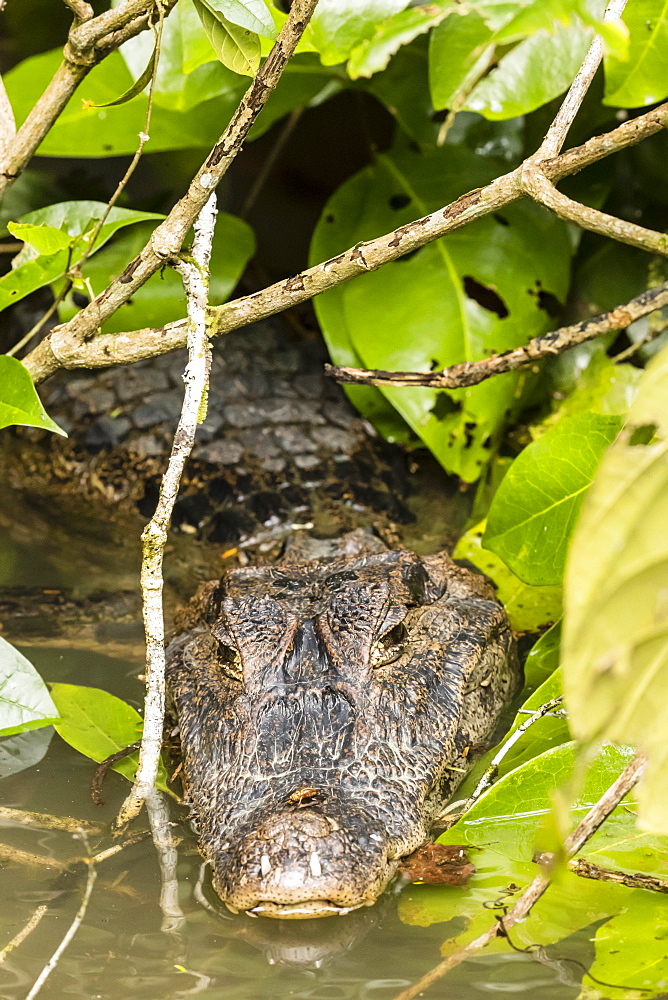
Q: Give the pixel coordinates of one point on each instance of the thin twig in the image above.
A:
(41, 322)
(270, 162)
(492, 771)
(23, 933)
(61, 349)
(195, 275)
(558, 130)
(634, 880)
(580, 835)
(46, 821)
(73, 928)
(655, 330)
(555, 342)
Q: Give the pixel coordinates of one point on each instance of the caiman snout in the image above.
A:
(298, 863)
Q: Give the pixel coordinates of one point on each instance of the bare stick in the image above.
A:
(587, 826)
(23, 933)
(73, 928)
(493, 769)
(81, 10)
(62, 349)
(46, 821)
(87, 44)
(634, 880)
(558, 130)
(167, 239)
(195, 275)
(7, 123)
(555, 342)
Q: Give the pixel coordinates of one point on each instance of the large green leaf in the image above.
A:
(251, 14)
(643, 77)
(459, 51)
(632, 950)
(162, 298)
(527, 607)
(19, 402)
(616, 621)
(25, 702)
(425, 310)
(99, 724)
(373, 54)
(532, 73)
(535, 508)
(337, 26)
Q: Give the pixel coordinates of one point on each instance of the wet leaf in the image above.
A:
(632, 950)
(527, 607)
(99, 724)
(460, 298)
(535, 508)
(616, 620)
(18, 753)
(19, 402)
(643, 77)
(237, 48)
(25, 702)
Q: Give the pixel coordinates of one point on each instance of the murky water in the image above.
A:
(128, 944)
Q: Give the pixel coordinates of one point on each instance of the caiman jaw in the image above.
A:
(299, 911)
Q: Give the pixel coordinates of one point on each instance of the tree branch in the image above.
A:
(555, 342)
(64, 349)
(585, 829)
(167, 239)
(195, 277)
(88, 43)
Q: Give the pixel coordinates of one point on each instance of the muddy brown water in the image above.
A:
(127, 946)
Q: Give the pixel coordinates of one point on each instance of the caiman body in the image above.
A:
(326, 709)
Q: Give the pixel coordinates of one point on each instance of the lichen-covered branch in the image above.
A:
(555, 342)
(195, 275)
(63, 348)
(585, 829)
(7, 123)
(87, 44)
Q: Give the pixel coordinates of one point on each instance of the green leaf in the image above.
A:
(25, 702)
(162, 299)
(616, 620)
(543, 658)
(534, 72)
(460, 48)
(251, 14)
(236, 47)
(46, 240)
(140, 83)
(99, 724)
(19, 402)
(17, 753)
(404, 90)
(337, 26)
(642, 78)
(424, 311)
(527, 607)
(632, 950)
(373, 54)
(535, 508)
(31, 275)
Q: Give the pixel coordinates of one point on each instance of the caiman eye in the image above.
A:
(389, 647)
(229, 661)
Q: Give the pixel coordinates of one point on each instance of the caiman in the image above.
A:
(326, 708)
(326, 702)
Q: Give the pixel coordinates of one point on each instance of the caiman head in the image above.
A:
(325, 713)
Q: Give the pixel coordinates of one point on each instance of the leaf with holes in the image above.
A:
(19, 402)
(616, 597)
(535, 508)
(478, 291)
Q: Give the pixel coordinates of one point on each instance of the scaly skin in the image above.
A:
(325, 709)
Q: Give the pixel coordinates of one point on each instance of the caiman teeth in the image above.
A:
(315, 866)
(265, 865)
